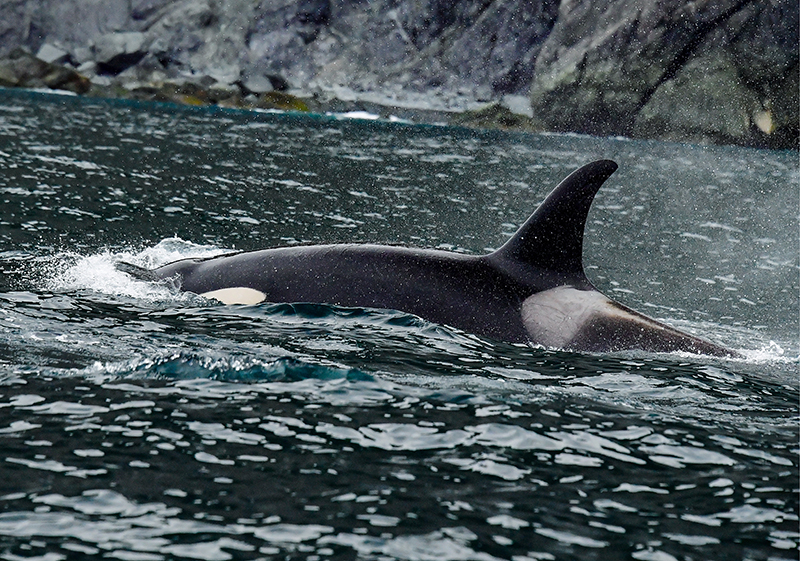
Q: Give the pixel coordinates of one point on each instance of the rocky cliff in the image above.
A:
(723, 71)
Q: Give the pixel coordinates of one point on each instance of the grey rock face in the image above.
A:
(724, 72)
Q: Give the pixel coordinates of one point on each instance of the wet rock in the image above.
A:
(148, 71)
(22, 69)
(8, 78)
(496, 116)
(116, 52)
(281, 100)
(222, 94)
(185, 93)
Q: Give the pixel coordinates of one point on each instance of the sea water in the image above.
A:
(139, 423)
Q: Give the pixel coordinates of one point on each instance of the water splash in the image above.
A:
(70, 271)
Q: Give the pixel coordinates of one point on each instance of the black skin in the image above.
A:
(467, 292)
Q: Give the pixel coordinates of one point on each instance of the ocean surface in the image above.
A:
(138, 423)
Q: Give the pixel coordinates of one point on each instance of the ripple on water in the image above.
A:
(140, 423)
(207, 439)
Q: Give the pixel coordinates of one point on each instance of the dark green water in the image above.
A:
(138, 423)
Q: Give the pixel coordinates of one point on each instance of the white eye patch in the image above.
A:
(236, 295)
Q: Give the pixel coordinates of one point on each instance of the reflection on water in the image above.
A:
(140, 423)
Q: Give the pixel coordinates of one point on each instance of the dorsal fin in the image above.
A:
(552, 238)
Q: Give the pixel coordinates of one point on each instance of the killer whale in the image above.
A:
(532, 289)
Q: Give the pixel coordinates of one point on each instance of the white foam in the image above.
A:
(69, 271)
(169, 250)
(51, 92)
(769, 353)
(362, 115)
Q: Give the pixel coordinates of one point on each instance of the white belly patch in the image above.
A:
(555, 317)
(236, 295)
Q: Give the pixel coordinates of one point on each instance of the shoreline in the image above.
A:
(486, 116)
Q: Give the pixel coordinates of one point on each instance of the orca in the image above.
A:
(533, 289)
